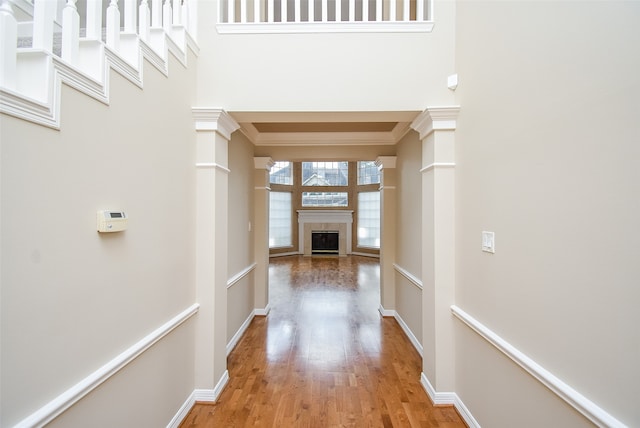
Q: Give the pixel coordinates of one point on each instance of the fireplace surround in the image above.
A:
(324, 221)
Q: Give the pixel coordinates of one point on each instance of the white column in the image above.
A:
(436, 127)
(214, 128)
(261, 233)
(8, 42)
(70, 32)
(387, 166)
(94, 20)
(113, 25)
(44, 12)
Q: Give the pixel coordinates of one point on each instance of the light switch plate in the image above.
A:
(488, 242)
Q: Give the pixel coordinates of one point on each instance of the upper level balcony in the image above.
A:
(291, 16)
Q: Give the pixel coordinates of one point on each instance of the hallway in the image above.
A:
(323, 357)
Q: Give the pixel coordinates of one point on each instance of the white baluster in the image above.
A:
(44, 12)
(420, 10)
(70, 32)
(296, 10)
(352, 10)
(392, 10)
(167, 16)
(365, 10)
(257, 13)
(406, 9)
(113, 25)
(94, 20)
(338, 10)
(378, 10)
(270, 7)
(156, 13)
(130, 16)
(325, 11)
(144, 20)
(231, 11)
(193, 19)
(312, 10)
(177, 12)
(243, 11)
(8, 43)
(185, 15)
(284, 13)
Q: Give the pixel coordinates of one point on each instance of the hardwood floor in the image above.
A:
(323, 357)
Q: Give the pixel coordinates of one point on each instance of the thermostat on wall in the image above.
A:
(112, 221)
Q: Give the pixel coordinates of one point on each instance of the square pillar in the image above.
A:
(387, 166)
(436, 127)
(214, 128)
(261, 233)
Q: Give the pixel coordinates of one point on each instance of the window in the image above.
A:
(280, 220)
(281, 173)
(369, 219)
(368, 173)
(325, 173)
(325, 199)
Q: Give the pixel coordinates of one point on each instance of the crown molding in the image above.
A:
(214, 119)
(263, 163)
(436, 119)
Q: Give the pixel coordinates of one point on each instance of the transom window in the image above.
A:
(325, 173)
(281, 173)
(368, 173)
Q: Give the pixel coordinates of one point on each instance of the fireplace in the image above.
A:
(336, 221)
(325, 242)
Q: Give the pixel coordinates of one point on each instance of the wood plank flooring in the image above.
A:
(323, 357)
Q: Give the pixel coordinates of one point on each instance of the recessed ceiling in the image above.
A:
(324, 128)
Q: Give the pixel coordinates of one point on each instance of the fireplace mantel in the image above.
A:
(318, 220)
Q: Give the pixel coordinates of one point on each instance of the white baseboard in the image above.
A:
(236, 337)
(407, 331)
(183, 411)
(386, 312)
(262, 312)
(216, 391)
(446, 399)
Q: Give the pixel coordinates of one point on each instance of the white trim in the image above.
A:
(237, 277)
(183, 411)
(262, 312)
(413, 279)
(438, 165)
(407, 331)
(291, 253)
(582, 404)
(436, 119)
(236, 337)
(386, 312)
(383, 187)
(214, 119)
(448, 398)
(325, 27)
(213, 165)
(267, 188)
(356, 253)
(46, 111)
(62, 402)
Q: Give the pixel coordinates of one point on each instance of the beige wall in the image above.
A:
(326, 72)
(408, 227)
(73, 299)
(240, 296)
(546, 153)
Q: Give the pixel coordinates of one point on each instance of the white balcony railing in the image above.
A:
(257, 16)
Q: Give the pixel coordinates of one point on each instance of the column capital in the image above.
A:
(436, 119)
(263, 163)
(384, 162)
(213, 119)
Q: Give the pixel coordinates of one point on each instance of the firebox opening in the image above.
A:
(325, 242)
